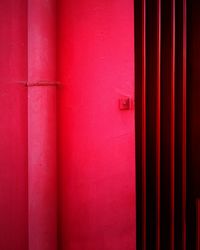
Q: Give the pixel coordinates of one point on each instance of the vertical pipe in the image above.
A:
(144, 124)
(42, 124)
(184, 128)
(158, 119)
(172, 125)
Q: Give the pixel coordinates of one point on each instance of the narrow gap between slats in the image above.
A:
(167, 125)
(138, 120)
(184, 117)
(172, 123)
(198, 224)
(158, 125)
(144, 124)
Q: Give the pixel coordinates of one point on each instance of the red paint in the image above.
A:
(13, 125)
(96, 168)
(42, 125)
(96, 138)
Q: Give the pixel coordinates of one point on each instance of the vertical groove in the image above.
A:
(158, 118)
(144, 124)
(138, 121)
(198, 225)
(184, 117)
(172, 170)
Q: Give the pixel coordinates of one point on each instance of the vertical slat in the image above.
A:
(153, 123)
(144, 124)
(193, 119)
(180, 134)
(184, 117)
(168, 126)
(172, 129)
(158, 124)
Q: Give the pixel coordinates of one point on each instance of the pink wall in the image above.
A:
(13, 125)
(96, 160)
(96, 139)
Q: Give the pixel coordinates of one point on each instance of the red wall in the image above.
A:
(96, 139)
(13, 125)
(96, 160)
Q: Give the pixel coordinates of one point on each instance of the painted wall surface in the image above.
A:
(13, 125)
(42, 120)
(96, 139)
(96, 151)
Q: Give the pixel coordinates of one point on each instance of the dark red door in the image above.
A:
(96, 138)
